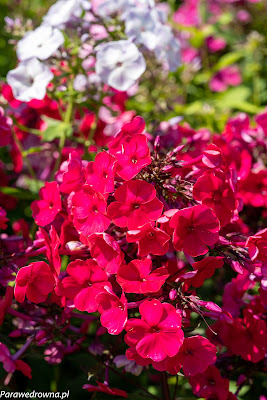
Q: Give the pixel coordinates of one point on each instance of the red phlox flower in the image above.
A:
(215, 43)
(214, 191)
(158, 333)
(210, 384)
(105, 250)
(134, 155)
(5, 358)
(136, 126)
(89, 211)
(24, 368)
(73, 178)
(236, 127)
(86, 123)
(68, 233)
(233, 293)
(52, 244)
(10, 365)
(3, 219)
(44, 211)
(246, 338)
(86, 279)
(210, 158)
(257, 246)
(228, 76)
(100, 173)
(261, 120)
(113, 311)
(164, 221)
(16, 157)
(136, 204)
(132, 355)
(253, 189)
(249, 339)
(103, 388)
(204, 269)
(150, 240)
(188, 13)
(195, 355)
(195, 228)
(21, 227)
(5, 128)
(136, 277)
(35, 282)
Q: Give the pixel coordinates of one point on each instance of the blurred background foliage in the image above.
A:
(26, 10)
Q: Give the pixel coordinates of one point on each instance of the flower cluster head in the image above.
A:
(116, 54)
(127, 240)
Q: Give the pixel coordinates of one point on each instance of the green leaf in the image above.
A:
(34, 185)
(55, 129)
(236, 98)
(18, 193)
(231, 97)
(228, 59)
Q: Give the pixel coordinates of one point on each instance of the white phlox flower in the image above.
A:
(141, 25)
(62, 11)
(167, 48)
(110, 7)
(29, 80)
(119, 64)
(40, 43)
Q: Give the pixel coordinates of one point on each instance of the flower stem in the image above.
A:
(67, 120)
(165, 386)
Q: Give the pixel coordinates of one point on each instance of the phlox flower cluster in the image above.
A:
(118, 63)
(142, 229)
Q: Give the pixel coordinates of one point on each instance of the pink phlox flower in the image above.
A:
(150, 240)
(195, 228)
(5, 128)
(134, 155)
(138, 277)
(136, 126)
(113, 311)
(45, 210)
(210, 384)
(89, 211)
(73, 178)
(136, 204)
(3, 219)
(86, 279)
(100, 173)
(105, 250)
(35, 282)
(158, 333)
(213, 190)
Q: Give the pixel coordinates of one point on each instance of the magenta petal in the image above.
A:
(151, 347)
(114, 320)
(85, 300)
(151, 311)
(171, 342)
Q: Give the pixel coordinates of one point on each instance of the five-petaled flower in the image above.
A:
(158, 333)
(195, 228)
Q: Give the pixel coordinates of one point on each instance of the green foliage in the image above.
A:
(55, 129)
